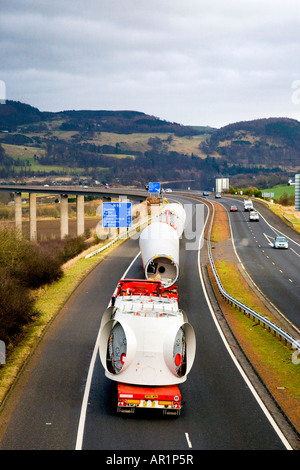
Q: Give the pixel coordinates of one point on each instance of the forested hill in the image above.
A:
(267, 142)
(14, 114)
(133, 148)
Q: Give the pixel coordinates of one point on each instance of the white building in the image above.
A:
(222, 184)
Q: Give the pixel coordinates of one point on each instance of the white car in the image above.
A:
(168, 190)
(253, 216)
(281, 242)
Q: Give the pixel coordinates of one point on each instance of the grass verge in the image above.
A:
(49, 301)
(287, 214)
(271, 358)
(220, 229)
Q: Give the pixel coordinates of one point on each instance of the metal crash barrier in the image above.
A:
(267, 324)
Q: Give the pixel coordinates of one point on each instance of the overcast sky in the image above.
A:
(195, 62)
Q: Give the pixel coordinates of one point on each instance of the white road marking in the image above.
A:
(81, 425)
(239, 367)
(268, 239)
(188, 440)
(295, 252)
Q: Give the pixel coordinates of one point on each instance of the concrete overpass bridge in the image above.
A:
(64, 192)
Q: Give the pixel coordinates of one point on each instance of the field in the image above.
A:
(26, 155)
(49, 229)
(48, 217)
(280, 189)
(139, 142)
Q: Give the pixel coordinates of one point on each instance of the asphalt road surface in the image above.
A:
(275, 271)
(47, 409)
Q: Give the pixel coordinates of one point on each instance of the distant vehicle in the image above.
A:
(218, 196)
(205, 193)
(168, 190)
(248, 205)
(107, 186)
(254, 216)
(233, 209)
(281, 242)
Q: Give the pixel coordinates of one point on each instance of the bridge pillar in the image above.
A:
(80, 214)
(297, 192)
(32, 217)
(64, 219)
(18, 210)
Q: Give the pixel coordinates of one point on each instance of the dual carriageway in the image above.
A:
(65, 401)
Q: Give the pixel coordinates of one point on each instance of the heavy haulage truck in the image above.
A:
(146, 342)
(248, 205)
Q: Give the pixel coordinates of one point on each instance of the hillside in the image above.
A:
(14, 114)
(267, 142)
(133, 148)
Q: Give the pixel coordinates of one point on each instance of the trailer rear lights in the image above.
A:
(178, 359)
(122, 358)
(133, 402)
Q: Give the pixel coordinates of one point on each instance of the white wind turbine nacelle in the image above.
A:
(180, 349)
(159, 245)
(147, 351)
(117, 346)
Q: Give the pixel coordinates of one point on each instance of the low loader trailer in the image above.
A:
(146, 345)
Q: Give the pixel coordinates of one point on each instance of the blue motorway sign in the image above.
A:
(154, 187)
(116, 214)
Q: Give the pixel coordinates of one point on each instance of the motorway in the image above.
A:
(64, 401)
(275, 272)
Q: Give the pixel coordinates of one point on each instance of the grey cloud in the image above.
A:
(195, 62)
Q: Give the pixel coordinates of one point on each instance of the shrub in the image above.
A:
(16, 307)
(286, 200)
(37, 268)
(25, 266)
(26, 262)
(72, 247)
